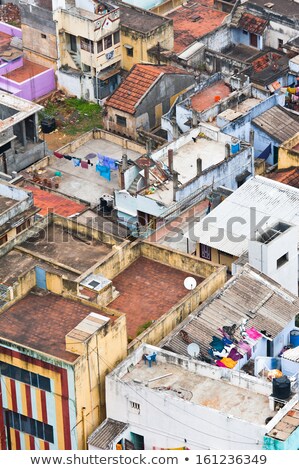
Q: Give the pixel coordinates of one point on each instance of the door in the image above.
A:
(275, 155)
(40, 274)
(253, 40)
(73, 43)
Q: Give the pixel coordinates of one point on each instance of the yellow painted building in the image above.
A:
(288, 153)
(141, 31)
(53, 372)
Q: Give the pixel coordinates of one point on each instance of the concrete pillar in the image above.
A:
(148, 146)
(170, 160)
(194, 118)
(146, 176)
(227, 151)
(251, 138)
(121, 179)
(199, 166)
(175, 184)
(24, 133)
(124, 162)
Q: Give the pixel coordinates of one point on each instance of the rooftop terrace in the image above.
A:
(6, 203)
(208, 97)
(62, 315)
(87, 184)
(27, 71)
(245, 404)
(148, 289)
(15, 264)
(56, 244)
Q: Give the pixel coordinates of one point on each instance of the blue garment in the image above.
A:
(107, 161)
(104, 171)
(265, 153)
(76, 161)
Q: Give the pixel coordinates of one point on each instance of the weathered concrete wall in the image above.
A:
(19, 161)
(218, 39)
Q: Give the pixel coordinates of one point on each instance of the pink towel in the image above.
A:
(84, 164)
(220, 364)
(253, 333)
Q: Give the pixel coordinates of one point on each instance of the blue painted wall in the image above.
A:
(292, 443)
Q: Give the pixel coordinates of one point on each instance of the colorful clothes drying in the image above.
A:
(253, 333)
(76, 161)
(58, 155)
(84, 165)
(228, 362)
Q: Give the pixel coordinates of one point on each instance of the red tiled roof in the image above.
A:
(265, 61)
(4, 41)
(137, 84)
(289, 176)
(252, 24)
(50, 202)
(193, 21)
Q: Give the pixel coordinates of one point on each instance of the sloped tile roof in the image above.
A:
(137, 84)
(252, 24)
(289, 176)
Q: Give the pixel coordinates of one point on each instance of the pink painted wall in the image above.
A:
(33, 88)
(12, 30)
(6, 67)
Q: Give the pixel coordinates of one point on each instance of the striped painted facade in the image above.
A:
(55, 408)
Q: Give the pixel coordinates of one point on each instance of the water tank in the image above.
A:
(294, 338)
(48, 125)
(281, 388)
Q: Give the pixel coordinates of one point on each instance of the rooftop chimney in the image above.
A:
(175, 184)
(227, 151)
(170, 160)
(124, 162)
(148, 145)
(199, 166)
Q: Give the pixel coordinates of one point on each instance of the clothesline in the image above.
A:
(104, 166)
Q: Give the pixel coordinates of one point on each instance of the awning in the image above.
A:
(128, 46)
(105, 76)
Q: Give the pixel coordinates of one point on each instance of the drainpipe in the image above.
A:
(83, 426)
(170, 160)
(251, 138)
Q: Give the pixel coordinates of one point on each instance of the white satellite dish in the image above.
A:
(190, 283)
(193, 349)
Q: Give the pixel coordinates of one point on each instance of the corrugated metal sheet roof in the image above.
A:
(103, 436)
(257, 198)
(278, 123)
(292, 354)
(250, 296)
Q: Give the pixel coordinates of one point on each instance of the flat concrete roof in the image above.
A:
(185, 163)
(69, 249)
(15, 264)
(25, 323)
(148, 289)
(88, 185)
(207, 97)
(6, 203)
(189, 386)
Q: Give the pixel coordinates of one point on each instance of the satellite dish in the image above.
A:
(193, 350)
(190, 283)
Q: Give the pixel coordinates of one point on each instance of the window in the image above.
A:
(29, 426)
(108, 41)
(24, 225)
(135, 406)
(100, 46)
(44, 36)
(23, 375)
(282, 260)
(116, 37)
(245, 32)
(205, 252)
(3, 240)
(130, 52)
(121, 121)
(86, 68)
(86, 45)
(280, 43)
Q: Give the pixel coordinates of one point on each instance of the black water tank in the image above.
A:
(281, 387)
(48, 125)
